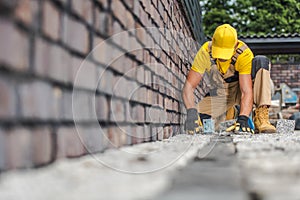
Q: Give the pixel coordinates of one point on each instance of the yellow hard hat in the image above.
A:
(224, 41)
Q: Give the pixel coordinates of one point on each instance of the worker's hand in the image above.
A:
(192, 123)
(241, 125)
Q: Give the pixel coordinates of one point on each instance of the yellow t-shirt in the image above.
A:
(202, 61)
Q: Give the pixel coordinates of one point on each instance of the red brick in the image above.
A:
(105, 81)
(175, 106)
(135, 8)
(155, 98)
(121, 63)
(128, 132)
(69, 143)
(7, 99)
(161, 86)
(51, 20)
(102, 108)
(57, 103)
(75, 35)
(110, 56)
(86, 76)
(52, 61)
(117, 137)
(140, 74)
(18, 149)
(139, 95)
(128, 117)
(3, 140)
(36, 100)
(166, 132)
(105, 138)
(153, 115)
(142, 95)
(104, 3)
(16, 51)
(26, 10)
(130, 22)
(160, 100)
(82, 106)
(137, 114)
(92, 138)
(100, 51)
(163, 116)
(119, 11)
(102, 23)
(117, 111)
(117, 32)
(141, 34)
(153, 133)
(125, 88)
(84, 9)
(148, 78)
(66, 111)
(147, 133)
(155, 83)
(42, 144)
(160, 133)
(130, 3)
(75, 66)
(137, 134)
(150, 94)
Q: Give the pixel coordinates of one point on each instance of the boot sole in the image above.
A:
(265, 131)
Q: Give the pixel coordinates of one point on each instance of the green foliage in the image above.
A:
(252, 16)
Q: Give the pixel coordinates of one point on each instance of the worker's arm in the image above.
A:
(192, 81)
(242, 123)
(247, 94)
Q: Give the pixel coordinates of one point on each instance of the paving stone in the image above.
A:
(285, 126)
(214, 175)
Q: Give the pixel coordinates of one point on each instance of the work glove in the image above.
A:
(243, 124)
(193, 122)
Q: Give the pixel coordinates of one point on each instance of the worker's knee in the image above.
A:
(259, 62)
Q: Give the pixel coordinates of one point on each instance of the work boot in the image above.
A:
(231, 113)
(261, 120)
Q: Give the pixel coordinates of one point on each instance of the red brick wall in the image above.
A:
(286, 73)
(43, 44)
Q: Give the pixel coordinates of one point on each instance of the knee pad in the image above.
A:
(259, 62)
(204, 116)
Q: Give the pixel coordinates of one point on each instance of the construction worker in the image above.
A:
(235, 78)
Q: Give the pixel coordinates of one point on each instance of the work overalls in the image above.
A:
(224, 89)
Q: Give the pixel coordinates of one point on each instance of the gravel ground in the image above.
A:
(270, 165)
(135, 172)
(261, 166)
(264, 166)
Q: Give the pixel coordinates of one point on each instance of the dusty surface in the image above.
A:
(134, 172)
(265, 166)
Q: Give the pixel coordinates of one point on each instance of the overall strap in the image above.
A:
(212, 60)
(238, 52)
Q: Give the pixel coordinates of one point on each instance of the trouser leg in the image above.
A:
(262, 80)
(262, 88)
(262, 94)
